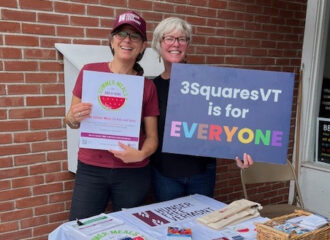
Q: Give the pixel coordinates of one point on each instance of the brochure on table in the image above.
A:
(104, 227)
(116, 111)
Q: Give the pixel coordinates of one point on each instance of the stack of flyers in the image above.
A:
(178, 233)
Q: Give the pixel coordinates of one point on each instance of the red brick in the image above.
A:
(97, 33)
(45, 168)
(243, 34)
(21, 40)
(62, 216)
(41, 101)
(146, 5)
(215, 60)
(99, 11)
(205, 31)
(11, 77)
(242, 51)
(196, 59)
(54, 112)
(45, 124)
(163, 7)
(268, 44)
(47, 209)
(29, 159)
(13, 172)
(193, 20)
(29, 137)
(31, 202)
(44, 229)
(45, 5)
(51, 66)
(8, 126)
(205, 50)
(60, 197)
(84, 21)
(21, 89)
(5, 184)
(215, 41)
(68, 185)
(20, 15)
(259, 52)
(13, 194)
(5, 139)
(34, 221)
(39, 54)
(52, 88)
(40, 77)
(10, 53)
(59, 176)
(46, 146)
(38, 29)
(8, 227)
(118, 3)
(48, 188)
(53, 18)
(69, 8)
(3, 90)
(21, 66)
(6, 206)
(235, 24)
(57, 135)
(234, 42)
(27, 181)
(225, 14)
(14, 149)
(23, 234)
(3, 114)
(24, 113)
(58, 155)
(8, 3)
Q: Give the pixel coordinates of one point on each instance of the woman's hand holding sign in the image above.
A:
(247, 161)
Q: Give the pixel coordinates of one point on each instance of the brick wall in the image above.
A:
(35, 186)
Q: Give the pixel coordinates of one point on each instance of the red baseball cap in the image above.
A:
(133, 19)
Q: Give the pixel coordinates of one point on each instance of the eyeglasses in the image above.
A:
(135, 37)
(171, 40)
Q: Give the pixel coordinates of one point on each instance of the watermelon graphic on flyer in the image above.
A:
(112, 95)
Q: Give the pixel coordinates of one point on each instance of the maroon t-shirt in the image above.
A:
(103, 158)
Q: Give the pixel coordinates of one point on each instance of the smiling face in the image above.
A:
(128, 47)
(173, 47)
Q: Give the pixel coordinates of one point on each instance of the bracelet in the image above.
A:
(75, 125)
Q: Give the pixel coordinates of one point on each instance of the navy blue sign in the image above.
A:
(225, 112)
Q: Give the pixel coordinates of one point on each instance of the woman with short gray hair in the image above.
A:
(177, 175)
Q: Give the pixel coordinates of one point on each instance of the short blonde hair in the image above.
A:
(168, 25)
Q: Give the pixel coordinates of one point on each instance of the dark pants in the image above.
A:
(167, 188)
(95, 186)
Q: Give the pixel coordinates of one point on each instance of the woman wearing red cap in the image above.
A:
(120, 176)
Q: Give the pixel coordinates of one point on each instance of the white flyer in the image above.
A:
(116, 111)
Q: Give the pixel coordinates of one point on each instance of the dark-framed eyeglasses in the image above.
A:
(135, 37)
(171, 39)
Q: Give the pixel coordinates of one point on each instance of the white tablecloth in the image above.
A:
(154, 219)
